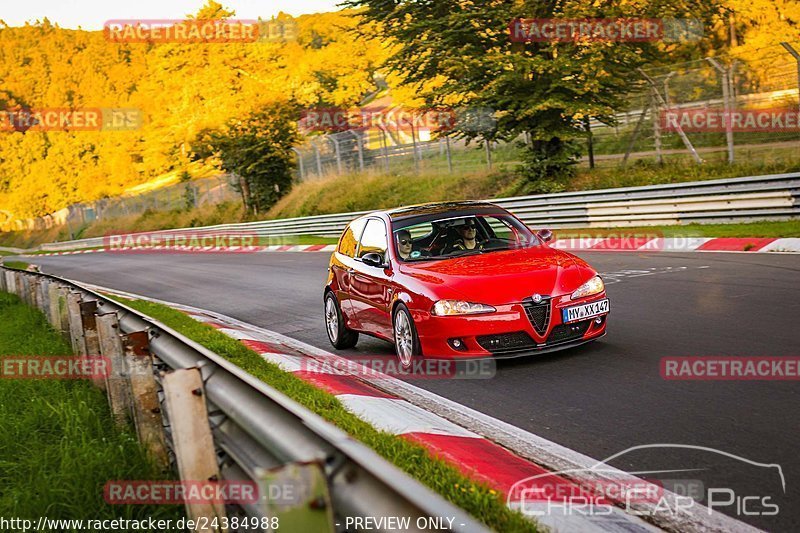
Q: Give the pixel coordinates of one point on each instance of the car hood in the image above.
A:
(502, 277)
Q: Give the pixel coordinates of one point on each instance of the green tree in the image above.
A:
(544, 89)
(257, 149)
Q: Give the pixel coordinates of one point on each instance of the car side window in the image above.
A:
(373, 240)
(501, 229)
(349, 241)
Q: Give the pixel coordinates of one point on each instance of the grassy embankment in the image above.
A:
(59, 445)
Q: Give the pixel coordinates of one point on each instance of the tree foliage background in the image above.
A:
(199, 101)
(182, 89)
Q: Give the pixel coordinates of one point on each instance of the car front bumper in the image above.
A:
(509, 332)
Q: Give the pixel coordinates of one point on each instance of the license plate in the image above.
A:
(581, 312)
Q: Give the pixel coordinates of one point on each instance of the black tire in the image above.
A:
(407, 348)
(341, 336)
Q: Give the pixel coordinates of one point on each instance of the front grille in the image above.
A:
(506, 342)
(538, 314)
(568, 332)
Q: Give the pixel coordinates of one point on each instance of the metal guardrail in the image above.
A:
(772, 197)
(255, 428)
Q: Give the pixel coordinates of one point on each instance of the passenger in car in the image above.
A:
(403, 243)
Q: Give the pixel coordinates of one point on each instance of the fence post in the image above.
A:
(796, 55)
(656, 125)
(44, 298)
(191, 435)
(360, 149)
(33, 291)
(338, 153)
(488, 144)
(299, 163)
(75, 323)
(90, 337)
(589, 140)
(667, 101)
(22, 283)
(385, 146)
(319, 161)
(9, 281)
(449, 154)
(144, 395)
(63, 313)
(116, 384)
(54, 314)
(726, 98)
(414, 145)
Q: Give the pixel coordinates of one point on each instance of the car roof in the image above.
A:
(442, 210)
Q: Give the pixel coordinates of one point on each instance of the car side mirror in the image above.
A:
(545, 234)
(373, 259)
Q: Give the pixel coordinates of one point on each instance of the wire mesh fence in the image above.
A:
(708, 93)
(726, 109)
(183, 195)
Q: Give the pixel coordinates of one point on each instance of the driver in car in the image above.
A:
(468, 234)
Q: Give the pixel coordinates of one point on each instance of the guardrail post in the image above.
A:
(11, 282)
(144, 395)
(3, 284)
(110, 342)
(33, 291)
(44, 297)
(89, 318)
(191, 435)
(75, 323)
(22, 287)
(63, 312)
(52, 299)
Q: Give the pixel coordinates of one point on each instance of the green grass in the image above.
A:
(365, 192)
(19, 265)
(59, 446)
(483, 503)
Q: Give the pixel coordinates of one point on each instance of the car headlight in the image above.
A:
(593, 286)
(458, 307)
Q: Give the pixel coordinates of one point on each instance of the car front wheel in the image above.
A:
(340, 335)
(406, 341)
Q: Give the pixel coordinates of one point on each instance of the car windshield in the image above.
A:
(449, 237)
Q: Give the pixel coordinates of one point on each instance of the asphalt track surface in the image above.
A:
(598, 399)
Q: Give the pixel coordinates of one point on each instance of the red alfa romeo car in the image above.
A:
(462, 279)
